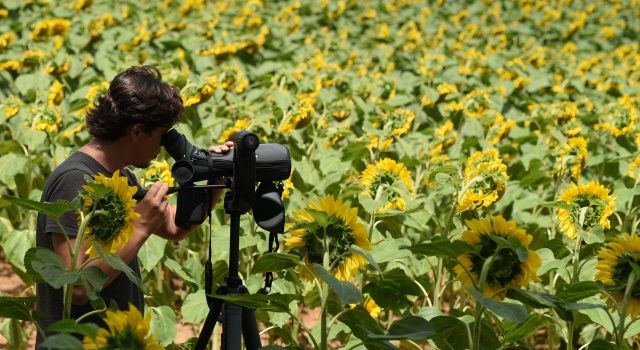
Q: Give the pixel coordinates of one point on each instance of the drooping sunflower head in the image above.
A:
(340, 109)
(401, 120)
(443, 138)
(230, 133)
(590, 204)
(634, 168)
(486, 156)
(572, 158)
(159, 171)
(619, 117)
(47, 119)
(342, 231)
(483, 186)
(381, 176)
(126, 330)
(507, 268)
(614, 267)
(476, 103)
(300, 116)
(498, 127)
(111, 201)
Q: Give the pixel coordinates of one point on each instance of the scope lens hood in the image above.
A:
(268, 210)
(182, 171)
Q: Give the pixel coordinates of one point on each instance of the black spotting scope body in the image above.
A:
(193, 164)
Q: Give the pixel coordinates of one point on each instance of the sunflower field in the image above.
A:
(464, 173)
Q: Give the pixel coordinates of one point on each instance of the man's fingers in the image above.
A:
(224, 148)
(162, 191)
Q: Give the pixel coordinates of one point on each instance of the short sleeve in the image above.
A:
(67, 187)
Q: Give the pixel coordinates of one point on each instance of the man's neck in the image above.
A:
(111, 155)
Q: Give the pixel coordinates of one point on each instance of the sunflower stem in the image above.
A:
(479, 308)
(576, 257)
(631, 281)
(439, 271)
(68, 289)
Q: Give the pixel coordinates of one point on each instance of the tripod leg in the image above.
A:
(209, 324)
(250, 331)
(232, 327)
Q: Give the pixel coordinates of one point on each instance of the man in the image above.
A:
(126, 126)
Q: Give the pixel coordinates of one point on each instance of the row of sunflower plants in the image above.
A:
(464, 174)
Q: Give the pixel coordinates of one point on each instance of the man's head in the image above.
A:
(138, 105)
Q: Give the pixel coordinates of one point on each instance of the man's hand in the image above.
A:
(219, 149)
(152, 209)
(223, 148)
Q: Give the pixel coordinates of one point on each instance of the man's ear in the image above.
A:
(136, 130)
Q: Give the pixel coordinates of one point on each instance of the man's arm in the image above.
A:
(170, 230)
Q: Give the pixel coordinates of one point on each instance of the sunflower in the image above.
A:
(230, 134)
(484, 185)
(443, 138)
(590, 201)
(506, 270)
(476, 103)
(499, 127)
(342, 231)
(112, 200)
(620, 117)
(572, 158)
(126, 330)
(301, 114)
(159, 171)
(634, 167)
(401, 119)
(614, 267)
(47, 119)
(384, 173)
(487, 156)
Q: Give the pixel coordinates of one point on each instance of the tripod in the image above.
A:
(235, 318)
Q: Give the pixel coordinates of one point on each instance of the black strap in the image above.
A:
(274, 245)
(208, 266)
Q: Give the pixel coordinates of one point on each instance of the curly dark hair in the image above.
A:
(137, 95)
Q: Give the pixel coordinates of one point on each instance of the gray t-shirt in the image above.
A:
(66, 182)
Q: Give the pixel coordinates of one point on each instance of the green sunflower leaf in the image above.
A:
(271, 302)
(601, 344)
(346, 292)
(557, 205)
(45, 265)
(512, 244)
(594, 235)
(320, 217)
(356, 249)
(270, 262)
(443, 248)
(62, 341)
(18, 308)
(515, 331)
(71, 326)
(534, 299)
(412, 327)
(163, 324)
(361, 322)
(54, 210)
(448, 330)
(372, 205)
(117, 263)
(578, 291)
(94, 280)
(509, 311)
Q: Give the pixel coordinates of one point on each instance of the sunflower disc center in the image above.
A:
(505, 266)
(125, 340)
(106, 227)
(593, 213)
